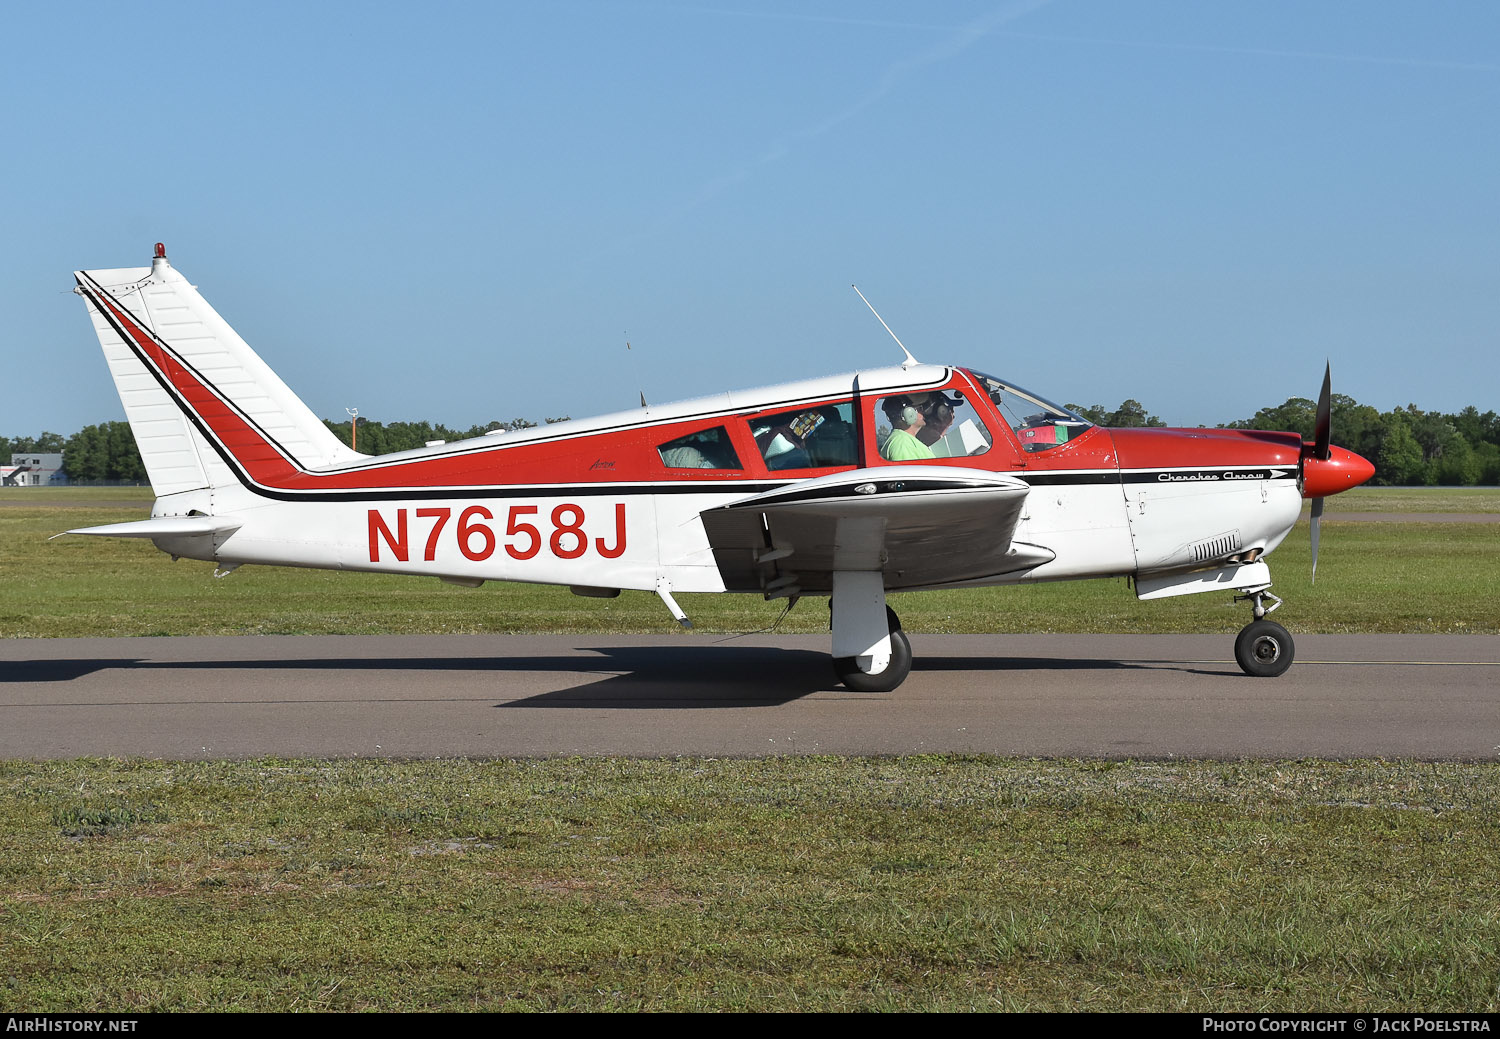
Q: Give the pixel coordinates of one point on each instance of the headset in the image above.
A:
(935, 411)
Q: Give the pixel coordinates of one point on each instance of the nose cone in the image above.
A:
(1340, 471)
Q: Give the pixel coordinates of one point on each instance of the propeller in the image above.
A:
(1325, 469)
(1323, 430)
(1321, 449)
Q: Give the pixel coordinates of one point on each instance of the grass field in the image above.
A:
(792, 883)
(935, 883)
(70, 496)
(1416, 499)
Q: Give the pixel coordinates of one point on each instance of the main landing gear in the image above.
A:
(1263, 648)
(871, 653)
(896, 670)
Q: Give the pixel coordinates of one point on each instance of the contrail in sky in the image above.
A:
(1258, 52)
(957, 41)
(1369, 59)
(825, 19)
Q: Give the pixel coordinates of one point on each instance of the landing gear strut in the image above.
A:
(1263, 649)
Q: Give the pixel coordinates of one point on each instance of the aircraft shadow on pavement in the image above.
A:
(767, 677)
(664, 678)
(631, 677)
(938, 663)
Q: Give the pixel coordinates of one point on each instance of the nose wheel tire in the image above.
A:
(847, 668)
(1264, 649)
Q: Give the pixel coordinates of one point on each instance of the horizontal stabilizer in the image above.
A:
(162, 527)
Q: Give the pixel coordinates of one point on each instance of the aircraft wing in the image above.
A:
(922, 526)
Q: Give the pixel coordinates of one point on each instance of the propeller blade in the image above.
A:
(1317, 512)
(1323, 432)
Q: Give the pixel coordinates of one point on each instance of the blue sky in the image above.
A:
(459, 212)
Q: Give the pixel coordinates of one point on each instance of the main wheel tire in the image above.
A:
(847, 668)
(1264, 649)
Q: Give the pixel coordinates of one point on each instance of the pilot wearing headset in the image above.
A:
(917, 421)
(907, 421)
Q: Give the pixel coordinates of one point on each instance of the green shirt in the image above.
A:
(901, 446)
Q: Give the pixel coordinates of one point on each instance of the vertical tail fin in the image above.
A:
(168, 350)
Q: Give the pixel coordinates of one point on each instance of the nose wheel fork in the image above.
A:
(1263, 649)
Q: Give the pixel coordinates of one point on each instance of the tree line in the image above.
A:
(105, 452)
(376, 438)
(1408, 446)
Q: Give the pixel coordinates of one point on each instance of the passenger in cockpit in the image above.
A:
(937, 416)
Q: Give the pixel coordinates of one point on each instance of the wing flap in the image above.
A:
(921, 526)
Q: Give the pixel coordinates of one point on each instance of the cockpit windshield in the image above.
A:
(1038, 423)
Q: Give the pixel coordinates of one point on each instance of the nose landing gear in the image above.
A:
(1263, 649)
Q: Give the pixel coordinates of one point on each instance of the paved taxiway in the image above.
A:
(1416, 696)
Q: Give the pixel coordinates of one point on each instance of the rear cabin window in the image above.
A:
(705, 449)
(817, 437)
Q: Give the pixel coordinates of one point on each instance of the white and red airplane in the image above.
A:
(850, 486)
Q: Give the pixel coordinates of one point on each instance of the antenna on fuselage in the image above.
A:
(910, 360)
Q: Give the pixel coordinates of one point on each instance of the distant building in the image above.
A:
(33, 469)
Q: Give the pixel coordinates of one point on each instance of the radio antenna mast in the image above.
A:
(910, 360)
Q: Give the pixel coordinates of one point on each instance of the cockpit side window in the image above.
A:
(819, 436)
(914, 427)
(1039, 424)
(705, 449)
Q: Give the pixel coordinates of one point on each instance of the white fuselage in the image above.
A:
(620, 539)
